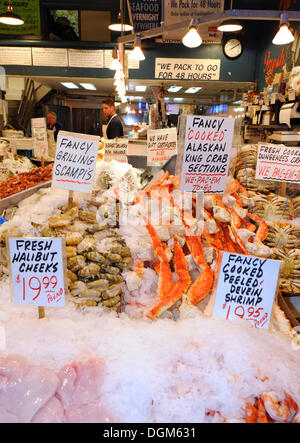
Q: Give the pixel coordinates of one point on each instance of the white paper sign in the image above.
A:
(50, 57)
(206, 155)
(75, 161)
(278, 163)
(161, 146)
(39, 134)
(187, 69)
(37, 277)
(15, 56)
(116, 150)
(246, 288)
(85, 58)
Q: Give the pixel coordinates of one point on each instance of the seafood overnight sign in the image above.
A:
(37, 277)
(75, 161)
(246, 289)
(206, 156)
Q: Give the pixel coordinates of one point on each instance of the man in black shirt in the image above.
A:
(54, 124)
(112, 126)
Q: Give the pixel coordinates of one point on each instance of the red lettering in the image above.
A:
(274, 63)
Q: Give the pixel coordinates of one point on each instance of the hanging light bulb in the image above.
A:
(192, 38)
(9, 17)
(230, 25)
(118, 26)
(119, 74)
(115, 64)
(137, 53)
(283, 35)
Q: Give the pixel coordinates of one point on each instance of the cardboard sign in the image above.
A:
(116, 150)
(278, 163)
(187, 69)
(246, 288)
(39, 134)
(36, 266)
(206, 157)
(75, 161)
(161, 146)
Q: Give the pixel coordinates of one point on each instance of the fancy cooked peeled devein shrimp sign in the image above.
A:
(246, 288)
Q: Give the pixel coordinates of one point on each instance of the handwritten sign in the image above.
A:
(278, 163)
(37, 277)
(246, 288)
(187, 69)
(206, 156)
(75, 161)
(116, 150)
(39, 134)
(161, 145)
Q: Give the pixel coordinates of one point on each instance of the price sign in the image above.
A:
(75, 161)
(161, 145)
(278, 163)
(36, 266)
(206, 155)
(246, 288)
(39, 134)
(116, 150)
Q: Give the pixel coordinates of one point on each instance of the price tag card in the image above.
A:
(75, 161)
(161, 145)
(206, 155)
(39, 134)
(246, 288)
(36, 271)
(116, 150)
(278, 163)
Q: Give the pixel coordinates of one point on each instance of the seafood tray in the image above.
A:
(96, 256)
(16, 198)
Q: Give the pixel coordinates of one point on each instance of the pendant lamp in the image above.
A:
(9, 17)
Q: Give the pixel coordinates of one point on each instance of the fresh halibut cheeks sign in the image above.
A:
(36, 270)
(246, 288)
(206, 156)
(75, 161)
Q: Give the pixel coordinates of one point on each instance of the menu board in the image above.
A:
(37, 276)
(84, 58)
(206, 156)
(50, 57)
(278, 163)
(161, 145)
(15, 56)
(75, 161)
(246, 288)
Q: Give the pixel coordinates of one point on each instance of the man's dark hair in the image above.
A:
(109, 101)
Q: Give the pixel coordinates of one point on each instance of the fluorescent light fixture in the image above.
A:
(174, 88)
(238, 102)
(140, 88)
(137, 53)
(284, 35)
(192, 38)
(88, 86)
(178, 99)
(230, 25)
(192, 90)
(9, 17)
(69, 85)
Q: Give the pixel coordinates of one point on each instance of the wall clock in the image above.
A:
(233, 48)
